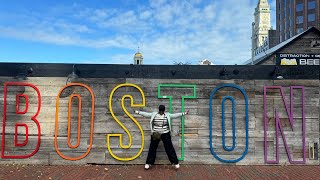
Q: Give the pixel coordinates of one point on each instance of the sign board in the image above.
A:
(287, 59)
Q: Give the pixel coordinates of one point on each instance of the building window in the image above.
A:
(285, 14)
(311, 17)
(299, 7)
(299, 30)
(290, 12)
(285, 9)
(311, 4)
(280, 17)
(299, 20)
(290, 22)
(285, 26)
(285, 35)
(291, 34)
(280, 6)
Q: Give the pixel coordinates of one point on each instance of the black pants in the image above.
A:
(171, 153)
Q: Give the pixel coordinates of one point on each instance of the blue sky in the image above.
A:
(110, 31)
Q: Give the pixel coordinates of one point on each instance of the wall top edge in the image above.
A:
(223, 72)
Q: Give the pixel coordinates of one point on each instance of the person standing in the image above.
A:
(160, 124)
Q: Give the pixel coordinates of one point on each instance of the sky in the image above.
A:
(110, 31)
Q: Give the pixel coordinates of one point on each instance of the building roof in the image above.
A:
(264, 55)
(137, 55)
(205, 62)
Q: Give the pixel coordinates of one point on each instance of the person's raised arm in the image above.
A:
(145, 114)
(176, 115)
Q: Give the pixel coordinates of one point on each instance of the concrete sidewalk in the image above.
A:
(157, 172)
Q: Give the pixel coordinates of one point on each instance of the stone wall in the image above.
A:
(196, 127)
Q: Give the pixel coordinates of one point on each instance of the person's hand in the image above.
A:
(187, 112)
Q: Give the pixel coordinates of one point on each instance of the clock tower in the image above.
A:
(260, 27)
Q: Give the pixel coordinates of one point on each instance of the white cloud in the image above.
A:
(47, 36)
(121, 59)
(38, 35)
(166, 31)
(79, 28)
(145, 15)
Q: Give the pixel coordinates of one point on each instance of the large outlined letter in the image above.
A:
(194, 88)
(69, 122)
(122, 126)
(290, 114)
(233, 123)
(33, 118)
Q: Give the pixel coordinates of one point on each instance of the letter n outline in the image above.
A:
(279, 126)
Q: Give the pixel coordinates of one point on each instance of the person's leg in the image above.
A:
(171, 153)
(152, 151)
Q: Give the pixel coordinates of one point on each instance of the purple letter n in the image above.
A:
(278, 125)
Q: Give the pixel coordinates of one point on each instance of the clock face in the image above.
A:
(264, 17)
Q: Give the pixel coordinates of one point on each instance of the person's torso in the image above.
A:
(160, 123)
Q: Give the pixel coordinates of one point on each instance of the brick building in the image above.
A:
(296, 16)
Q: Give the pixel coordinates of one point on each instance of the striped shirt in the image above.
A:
(160, 124)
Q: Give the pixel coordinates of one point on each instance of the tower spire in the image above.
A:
(263, 4)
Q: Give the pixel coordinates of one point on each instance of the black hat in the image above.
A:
(162, 108)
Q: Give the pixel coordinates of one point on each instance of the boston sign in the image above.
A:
(288, 106)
